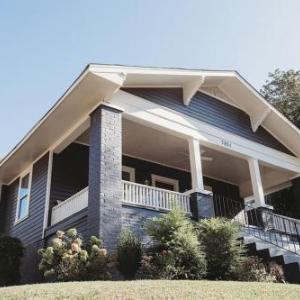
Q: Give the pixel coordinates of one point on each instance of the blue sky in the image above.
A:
(44, 45)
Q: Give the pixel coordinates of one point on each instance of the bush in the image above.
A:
(129, 254)
(11, 253)
(68, 260)
(253, 269)
(176, 252)
(224, 253)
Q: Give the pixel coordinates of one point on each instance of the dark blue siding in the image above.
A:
(30, 230)
(211, 111)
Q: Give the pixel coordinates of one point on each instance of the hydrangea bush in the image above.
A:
(66, 259)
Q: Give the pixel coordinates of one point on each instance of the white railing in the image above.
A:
(152, 197)
(70, 206)
(133, 194)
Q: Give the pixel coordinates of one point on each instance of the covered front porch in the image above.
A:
(162, 170)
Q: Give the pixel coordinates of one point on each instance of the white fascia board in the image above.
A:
(158, 71)
(162, 118)
(258, 118)
(45, 117)
(109, 84)
(267, 104)
(191, 87)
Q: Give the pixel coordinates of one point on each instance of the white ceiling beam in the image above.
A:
(191, 87)
(258, 118)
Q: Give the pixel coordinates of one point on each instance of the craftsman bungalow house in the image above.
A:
(126, 143)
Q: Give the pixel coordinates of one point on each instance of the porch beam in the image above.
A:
(161, 118)
(257, 186)
(196, 165)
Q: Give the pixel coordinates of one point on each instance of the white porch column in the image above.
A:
(196, 165)
(257, 186)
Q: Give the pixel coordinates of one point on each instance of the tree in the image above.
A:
(282, 89)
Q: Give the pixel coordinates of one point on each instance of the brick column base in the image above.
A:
(202, 205)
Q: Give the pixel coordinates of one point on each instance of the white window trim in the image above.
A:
(29, 172)
(131, 172)
(166, 180)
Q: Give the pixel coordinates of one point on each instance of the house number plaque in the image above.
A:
(226, 143)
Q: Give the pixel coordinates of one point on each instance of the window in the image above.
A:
(23, 198)
(128, 173)
(165, 183)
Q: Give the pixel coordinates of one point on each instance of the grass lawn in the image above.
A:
(156, 289)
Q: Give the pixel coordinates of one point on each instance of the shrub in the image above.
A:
(129, 254)
(224, 253)
(253, 269)
(68, 260)
(99, 263)
(11, 253)
(277, 273)
(176, 251)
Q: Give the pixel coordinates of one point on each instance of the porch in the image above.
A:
(161, 171)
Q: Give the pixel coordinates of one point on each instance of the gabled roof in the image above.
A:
(98, 83)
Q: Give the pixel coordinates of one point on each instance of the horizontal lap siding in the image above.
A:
(211, 111)
(29, 230)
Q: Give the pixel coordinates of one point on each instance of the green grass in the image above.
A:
(156, 289)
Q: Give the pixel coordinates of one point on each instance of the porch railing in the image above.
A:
(262, 223)
(70, 206)
(133, 194)
(153, 197)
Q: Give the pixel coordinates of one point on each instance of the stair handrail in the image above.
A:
(261, 222)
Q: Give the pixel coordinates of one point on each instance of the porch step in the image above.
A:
(268, 251)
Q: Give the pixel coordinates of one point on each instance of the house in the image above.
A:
(127, 143)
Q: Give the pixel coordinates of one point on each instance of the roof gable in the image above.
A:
(210, 110)
(98, 83)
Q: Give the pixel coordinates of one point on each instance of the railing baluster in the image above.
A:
(154, 197)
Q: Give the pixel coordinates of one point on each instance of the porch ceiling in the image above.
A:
(150, 144)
